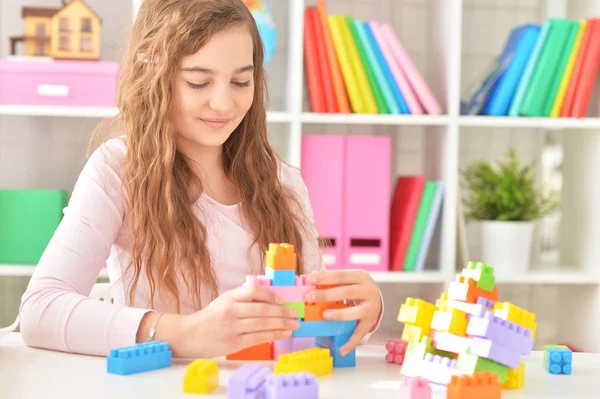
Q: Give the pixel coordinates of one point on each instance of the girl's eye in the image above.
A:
(242, 84)
(196, 86)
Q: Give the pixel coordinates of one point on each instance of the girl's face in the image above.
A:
(214, 89)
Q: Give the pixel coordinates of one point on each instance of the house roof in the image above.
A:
(85, 5)
(39, 12)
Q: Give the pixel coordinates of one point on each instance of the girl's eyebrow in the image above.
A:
(199, 69)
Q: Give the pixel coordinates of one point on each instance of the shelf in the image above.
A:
(408, 277)
(374, 119)
(27, 271)
(540, 123)
(550, 277)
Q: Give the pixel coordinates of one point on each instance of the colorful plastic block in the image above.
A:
(317, 361)
(482, 274)
(450, 343)
(436, 369)
(291, 386)
(465, 289)
(418, 350)
(416, 312)
(299, 306)
(257, 352)
(470, 364)
(501, 331)
(139, 358)
(414, 388)
(476, 308)
(334, 344)
(450, 320)
(495, 351)
(412, 333)
(286, 293)
(478, 386)
(515, 378)
(441, 301)
(281, 277)
(281, 257)
(327, 328)
(262, 281)
(558, 360)
(201, 376)
(396, 350)
(314, 311)
(510, 312)
(292, 345)
(247, 382)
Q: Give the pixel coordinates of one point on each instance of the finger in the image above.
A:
(338, 277)
(257, 338)
(244, 310)
(349, 313)
(361, 330)
(340, 293)
(258, 324)
(251, 293)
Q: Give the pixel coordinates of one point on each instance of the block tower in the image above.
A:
(281, 278)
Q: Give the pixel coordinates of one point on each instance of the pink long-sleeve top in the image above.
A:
(56, 311)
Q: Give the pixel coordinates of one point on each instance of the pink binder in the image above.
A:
(367, 202)
(323, 172)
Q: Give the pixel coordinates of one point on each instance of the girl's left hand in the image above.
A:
(350, 285)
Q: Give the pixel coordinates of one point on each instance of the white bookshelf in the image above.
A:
(449, 52)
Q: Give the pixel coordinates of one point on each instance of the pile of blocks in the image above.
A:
(467, 331)
(314, 331)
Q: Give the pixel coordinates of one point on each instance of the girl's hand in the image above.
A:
(243, 317)
(352, 285)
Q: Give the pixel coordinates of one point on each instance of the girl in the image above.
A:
(182, 204)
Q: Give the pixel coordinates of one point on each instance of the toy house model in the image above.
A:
(71, 32)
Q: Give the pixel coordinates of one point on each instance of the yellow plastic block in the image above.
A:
(515, 378)
(201, 376)
(281, 257)
(441, 301)
(412, 333)
(450, 320)
(416, 312)
(317, 361)
(511, 312)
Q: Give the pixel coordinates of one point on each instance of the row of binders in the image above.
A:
(360, 67)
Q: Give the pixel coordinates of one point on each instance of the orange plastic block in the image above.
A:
(201, 376)
(450, 320)
(281, 257)
(412, 333)
(314, 311)
(257, 352)
(515, 378)
(465, 289)
(510, 312)
(416, 312)
(478, 386)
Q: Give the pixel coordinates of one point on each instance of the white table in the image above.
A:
(33, 373)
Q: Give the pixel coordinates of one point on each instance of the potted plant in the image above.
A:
(506, 202)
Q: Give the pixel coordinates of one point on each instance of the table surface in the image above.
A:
(34, 373)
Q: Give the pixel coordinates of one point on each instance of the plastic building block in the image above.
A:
(139, 358)
(290, 344)
(247, 382)
(441, 301)
(465, 289)
(416, 312)
(201, 376)
(476, 308)
(334, 344)
(450, 320)
(291, 386)
(294, 293)
(314, 311)
(495, 351)
(501, 331)
(317, 361)
(482, 274)
(412, 333)
(299, 306)
(450, 343)
(510, 312)
(478, 386)
(281, 277)
(418, 350)
(515, 378)
(470, 364)
(414, 388)
(396, 350)
(436, 369)
(262, 281)
(281, 257)
(257, 352)
(558, 360)
(327, 328)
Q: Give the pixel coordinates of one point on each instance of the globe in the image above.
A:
(266, 26)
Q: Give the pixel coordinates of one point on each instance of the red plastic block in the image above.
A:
(396, 350)
(258, 352)
(414, 388)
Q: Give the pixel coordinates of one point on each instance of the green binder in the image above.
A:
(416, 237)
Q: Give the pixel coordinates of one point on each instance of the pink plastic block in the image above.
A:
(58, 83)
(323, 173)
(258, 280)
(396, 350)
(291, 293)
(367, 199)
(414, 388)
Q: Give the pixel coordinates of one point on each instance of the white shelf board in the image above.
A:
(554, 277)
(374, 119)
(27, 271)
(522, 122)
(409, 277)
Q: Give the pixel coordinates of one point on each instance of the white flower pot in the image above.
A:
(506, 246)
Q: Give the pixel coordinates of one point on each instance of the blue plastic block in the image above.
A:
(281, 277)
(291, 386)
(559, 360)
(247, 382)
(334, 345)
(139, 358)
(327, 328)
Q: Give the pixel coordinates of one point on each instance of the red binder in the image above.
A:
(328, 91)
(311, 62)
(588, 74)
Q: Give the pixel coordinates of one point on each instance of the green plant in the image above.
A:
(505, 193)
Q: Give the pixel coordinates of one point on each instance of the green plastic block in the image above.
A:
(418, 350)
(546, 347)
(299, 308)
(482, 274)
(28, 220)
(470, 363)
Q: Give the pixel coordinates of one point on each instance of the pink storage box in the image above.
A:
(58, 83)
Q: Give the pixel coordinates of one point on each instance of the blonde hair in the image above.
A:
(167, 238)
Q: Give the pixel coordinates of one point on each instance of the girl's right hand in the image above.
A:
(246, 316)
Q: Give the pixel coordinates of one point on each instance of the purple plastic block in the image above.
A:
(247, 382)
(303, 343)
(291, 386)
(414, 388)
(502, 331)
(439, 369)
(499, 353)
(449, 342)
(476, 309)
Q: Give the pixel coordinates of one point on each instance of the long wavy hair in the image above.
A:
(167, 239)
